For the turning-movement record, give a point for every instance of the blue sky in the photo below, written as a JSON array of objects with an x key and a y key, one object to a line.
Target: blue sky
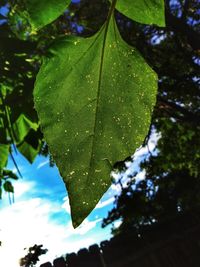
[
  {"x": 41, "y": 215},
  {"x": 41, "y": 212}
]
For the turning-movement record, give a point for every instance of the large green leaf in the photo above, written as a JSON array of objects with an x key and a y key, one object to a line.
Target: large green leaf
[
  {"x": 94, "y": 98},
  {"x": 43, "y": 12},
  {"x": 143, "y": 11}
]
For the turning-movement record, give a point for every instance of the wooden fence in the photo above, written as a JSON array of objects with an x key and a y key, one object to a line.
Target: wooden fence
[{"x": 175, "y": 243}]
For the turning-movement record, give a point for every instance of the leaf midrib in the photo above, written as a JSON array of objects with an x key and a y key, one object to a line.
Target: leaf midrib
[{"x": 111, "y": 10}]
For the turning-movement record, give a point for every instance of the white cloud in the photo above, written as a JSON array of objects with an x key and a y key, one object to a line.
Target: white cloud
[
  {"x": 117, "y": 223},
  {"x": 150, "y": 147},
  {"x": 66, "y": 205},
  {"x": 42, "y": 164},
  {"x": 37, "y": 220},
  {"x": 104, "y": 203},
  {"x": 22, "y": 224},
  {"x": 28, "y": 222},
  {"x": 85, "y": 227},
  {"x": 15, "y": 171},
  {"x": 140, "y": 176},
  {"x": 21, "y": 187},
  {"x": 65, "y": 248},
  {"x": 116, "y": 189}
]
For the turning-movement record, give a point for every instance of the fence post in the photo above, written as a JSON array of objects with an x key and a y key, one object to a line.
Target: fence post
[
  {"x": 60, "y": 262},
  {"x": 47, "y": 264}
]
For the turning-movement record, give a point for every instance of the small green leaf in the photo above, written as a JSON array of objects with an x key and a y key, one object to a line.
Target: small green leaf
[
  {"x": 143, "y": 11},
  {"x": 28, "y": 151},
  {"x": 8, "y": 187},
  {"x": 94, "y": 98},
  {"x": 43, "y": 12},
  {"x": 4, "y": 153},
  {"x": 9, "y": 174},
  {"x": 22, "y": 126}
]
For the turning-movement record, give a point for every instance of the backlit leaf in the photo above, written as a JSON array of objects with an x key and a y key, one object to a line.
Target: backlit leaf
[
  {"x": 143, "y": 11},
  {"x": 43, "y": 12},
  {"x": 94, "y": 97},
  {"x": 27, "y": 151}
]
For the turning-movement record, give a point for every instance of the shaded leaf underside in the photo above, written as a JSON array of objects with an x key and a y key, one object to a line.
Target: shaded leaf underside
[{"x": 94, "y": 98}]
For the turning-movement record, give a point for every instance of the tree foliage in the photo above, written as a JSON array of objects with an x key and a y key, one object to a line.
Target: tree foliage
[{"x": 32, "y": 256}]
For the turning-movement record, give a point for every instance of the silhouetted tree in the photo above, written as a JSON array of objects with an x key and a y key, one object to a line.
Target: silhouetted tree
[{"x": 32, "y": 256}]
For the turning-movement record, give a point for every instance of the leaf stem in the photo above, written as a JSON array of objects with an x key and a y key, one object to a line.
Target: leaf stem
[{"x": 111, "y": 10}]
